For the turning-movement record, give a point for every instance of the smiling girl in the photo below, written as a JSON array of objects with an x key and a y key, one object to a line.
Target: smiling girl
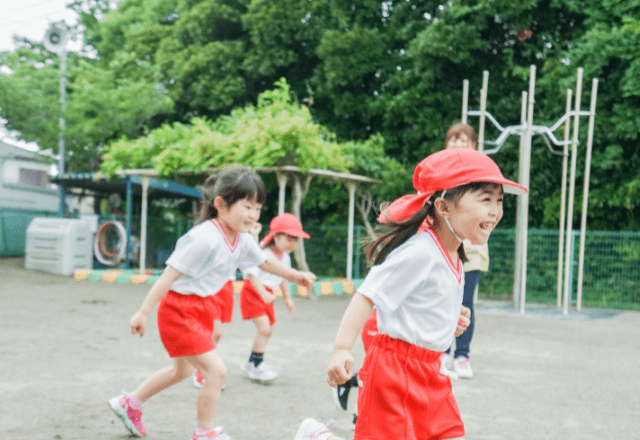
[
  {"x": 416, "y": 284},
  {"x": 196, "y": 272}
]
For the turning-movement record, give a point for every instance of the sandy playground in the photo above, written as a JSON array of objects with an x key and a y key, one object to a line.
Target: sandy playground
[{"x": 66, "y": 348}]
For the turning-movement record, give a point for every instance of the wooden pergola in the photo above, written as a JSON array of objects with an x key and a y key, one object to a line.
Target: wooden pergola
[{"x": 301, "y": 181}]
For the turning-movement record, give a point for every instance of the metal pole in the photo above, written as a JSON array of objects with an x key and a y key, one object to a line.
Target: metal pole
[
  {"x": 572, "y": 185},
  {"x": 483, "y": 108},
  {"x": 282, "y": 182},
  {"x": 525, "y": 180},
  {"x": 585, "y": 194},
  {"x": 465, "y": 100},
  {"x": 143, "y": 225},
  {"x": 563, "y": 197},
  {"x": 352, "y": 195},
  {"x": 518, "y": 248},
  {"x": 61, "y": 122}
]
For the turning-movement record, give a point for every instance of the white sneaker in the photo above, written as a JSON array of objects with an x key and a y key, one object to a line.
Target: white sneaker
[
  {"x": 462, "y": 367},
  {"x": 262, "y": 373},
  {"x": 247, "y": 366},
  {"x": 311, "y": 429},
  {"x": 445, "y": 360},
  {"x": 217, "y": 434}
]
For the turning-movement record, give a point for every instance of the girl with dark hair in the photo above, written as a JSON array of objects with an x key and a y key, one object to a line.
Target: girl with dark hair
[
  {"x": 197, "y": 270},
  {"x": 416, "y": 284}
]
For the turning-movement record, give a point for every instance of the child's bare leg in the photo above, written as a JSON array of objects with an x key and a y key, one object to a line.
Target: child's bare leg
[
  {"x": 264, "y": 332},
  {"x": 164, "y": 378},
  {"x": 214, "y": 372}
]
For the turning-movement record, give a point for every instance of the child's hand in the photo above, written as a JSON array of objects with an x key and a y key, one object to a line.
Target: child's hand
[
  {"x": 255, "y": 230},
  {"x": 466, "y": 311},
  {"x": 463, "y": 322},
  {"x": 268, "y": 298},
  {"x": 138, "y": 323},
  {"x": 305, "y": 279},
  {"x": 339, "y": 370},
  {"x": 217, "y": 331},
  {"x": 290, "y": 305}
]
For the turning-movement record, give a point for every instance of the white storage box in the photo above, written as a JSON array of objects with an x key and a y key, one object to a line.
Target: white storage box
[{"x": 58, "y": 245}]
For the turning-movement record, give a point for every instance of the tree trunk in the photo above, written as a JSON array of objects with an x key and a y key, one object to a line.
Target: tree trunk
[
  {"x": 365, "y": 205},
  {"x": 299, "y": 192}
]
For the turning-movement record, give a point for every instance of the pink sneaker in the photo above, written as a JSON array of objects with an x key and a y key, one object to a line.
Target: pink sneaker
[
  {"x": 130, "y": 416},
  {"x": 216, "y": 433}
]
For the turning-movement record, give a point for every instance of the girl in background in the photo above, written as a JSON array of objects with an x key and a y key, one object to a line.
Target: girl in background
[
  {"x": 196, "y": 271},
  {"x": 257, "y": 297}
]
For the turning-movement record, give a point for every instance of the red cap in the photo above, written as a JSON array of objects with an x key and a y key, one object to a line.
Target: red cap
[
  {"x": 444, "y": 170},
  {"x": 287, "y": 224}
]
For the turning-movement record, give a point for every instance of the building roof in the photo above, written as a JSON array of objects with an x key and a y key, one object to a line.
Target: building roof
[
  {"x": 11, "y": 151},
  {"x": 99, "y": 184}
]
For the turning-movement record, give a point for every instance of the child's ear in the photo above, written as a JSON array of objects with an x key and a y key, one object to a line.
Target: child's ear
[
  {"x": 442, "y": 207},
  {"x": 219, "y": 203}
]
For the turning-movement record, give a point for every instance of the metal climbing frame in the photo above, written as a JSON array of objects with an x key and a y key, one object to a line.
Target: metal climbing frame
[{"x": 526, "y": 129}]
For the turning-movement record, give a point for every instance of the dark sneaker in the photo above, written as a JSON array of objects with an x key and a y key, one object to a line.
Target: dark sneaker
[{"x": 341, "y": 395}]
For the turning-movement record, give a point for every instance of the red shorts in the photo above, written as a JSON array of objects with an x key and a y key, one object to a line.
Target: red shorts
[
  {"x": 369, "y": 330},
  {"x": 252, "y": 305},
  {"x": 403, "y": 395},
  {"x": 224, "y": 303},
  {"x": 185, "y": 323}
]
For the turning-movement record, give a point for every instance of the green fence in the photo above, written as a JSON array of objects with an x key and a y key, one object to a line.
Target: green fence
[
  {"x": 611, "y": 264},
  {"x": 611, "y": 267}
]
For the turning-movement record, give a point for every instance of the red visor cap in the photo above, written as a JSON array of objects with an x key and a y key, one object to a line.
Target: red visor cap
[
  {"x": 444, "y": 170},
  {"x": 286, "y": 224}
]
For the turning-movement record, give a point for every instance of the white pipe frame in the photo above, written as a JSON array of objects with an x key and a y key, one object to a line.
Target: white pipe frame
[{"x": 526, "y": 130}]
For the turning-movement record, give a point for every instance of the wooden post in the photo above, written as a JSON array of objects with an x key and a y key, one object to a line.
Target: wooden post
[
  {"x": 519, "y": 219},
  {"x": 352, "y": 195},
  {"x": 465, "y": 100},
  {"x": 572, "y": 186},
  {"x": 563, "y": 198},
  {"x": 282, "y": 183},
  {"x": 585, "y": 194},
  {"x": 143, "y": 224},
  {"x": 525, "y": 180},
  {"x": 483, "y": 108}
]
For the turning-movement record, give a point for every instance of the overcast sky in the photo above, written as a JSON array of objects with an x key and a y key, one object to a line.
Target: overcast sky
[{"x": 31, "y": 19}]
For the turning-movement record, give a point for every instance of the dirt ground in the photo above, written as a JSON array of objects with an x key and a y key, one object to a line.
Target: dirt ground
[{"x": 66, "y": 348}]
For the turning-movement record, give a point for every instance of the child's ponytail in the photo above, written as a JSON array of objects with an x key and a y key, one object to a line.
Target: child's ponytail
[{"x": 392, "y": 234}]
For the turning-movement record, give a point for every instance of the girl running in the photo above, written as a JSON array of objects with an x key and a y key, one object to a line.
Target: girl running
[
  {"x": 196, "y": 271},
  {"x": 257, "y": 297},
  {"x": 416, "y": 284}
]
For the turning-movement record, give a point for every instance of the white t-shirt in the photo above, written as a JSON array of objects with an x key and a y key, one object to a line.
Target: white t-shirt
[
  {"x": 418, "y": 292},
  {"x": 208, "y": 260},
  {"x": 268, "y": 279}
]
